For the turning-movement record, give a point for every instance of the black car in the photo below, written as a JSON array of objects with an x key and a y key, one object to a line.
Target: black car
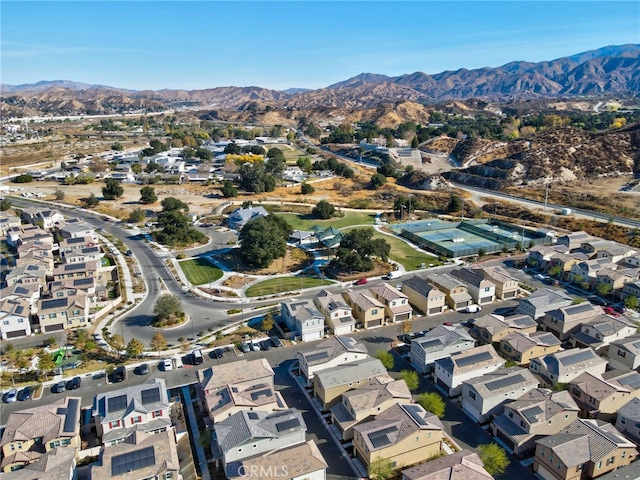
[
  {"x": 143, "y": 369},
  {"x": 620, "y": 308},
  {"x": 217, "y": 353},
  {"x": 74, "y": 383},
  {"x": 58, "y": 387},
  {"x": 597, "y": 300},
  {"x": 25, "y": 394},
  {"x": 266, "y": 345},
  {"x": 119, "y": 374}
]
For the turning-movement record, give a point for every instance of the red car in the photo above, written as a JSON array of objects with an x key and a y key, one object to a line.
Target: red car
[
  {"x": 610, "y": 311},
  {"x": 362, "y": 281}
]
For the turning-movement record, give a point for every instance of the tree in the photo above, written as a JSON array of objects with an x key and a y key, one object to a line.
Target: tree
[
  {"x": 494, "y": 458},
  {"x": 456, "y": 204},
  {"x": 24, "y": 178},
  {"x": 228, "y": 189},
  {"x": 411, "y": 378},
  {"x": 167, "y": 306},
  {"x": 603, "y": 289},
  {"x": 92, "y": 201},
  {"x": 59, "y": 195},
  {"x": 323, "y": 210},
  {"x": 158, "y": 342},
  {"x": 46, "y": 363},
  {"x": 380, "y": 469},
  {"x": 264, "y": 239},
  {"x": 137, "y": 215},
  {"x": 117, "y": 342},
  {"x": 171, "y": 203},
  {"x": 378, "y": 180},
  {"x": 357, "y": 248},
  {"x": 135, "y": 348},
  {"x": 117, "y": 147},
  {"x": 406, "y": 326},
  {"x": 267, "y": 323},
  {"x": 112, "y": 189},
  {"x": 415, "y": 143},
  {"x": 5, "y": 205},
  {"x": 432, "y": 402},
  {"x": 306, "y": 189},
  {"x": 386, "y": 358},
  {"x": 148, "y": 195},
  {"x": 136, "y": 168}
]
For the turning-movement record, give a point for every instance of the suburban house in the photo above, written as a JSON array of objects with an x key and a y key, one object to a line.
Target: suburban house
[
  {"x": 587, "y": 271},
  {"x": 251, "y": 433},
  {"x": 614, "y": 279},
  {"x": 396, "y": 304},
  {"x": 534, "y": 415},
  {"x": 44, "y": 218},
  {"x": 77, "y": 286},
  {"x": 7, "y": 222},
  {"x": 542, "y": 301},
  {"x": 403, "y": 435},
  {"x": 300, "y": 462},
  {"x": 329, "y": 384},
  {"x": 564, "y": 262},
  {"x": 15, "y": 318},
  {"x": 631, "y": 289},
  {"x": 242, "y": 216},
  {"x": 138, "y": 408},
  {"x": 450, "y": 372},
  {"x": 33, "y": 432},
  {"x": 87, "y": 254},
  {"x": 564, "y": 366},
  {"x": 27, "y": 233},
  {"x": 460, "y": 465},
  {"x": 30, "y": 291},
  {"x": 601, "y": 331},
  {"x": 304, "y": 319},
  {"x": 456, "y": 292},
  {"x": 424, "y": 296},
  {"x": 584, "y": 449},
  {"x": 75, "y": 270},
  {"x": 233, "y": 398},
  {"x": 74, "y": 228},
  {"x": 440, "y": 342},
  {"x": 482, "y": 290},
  {"x": 539, "y": 256},
  {"x": 35, "y": 256},
  {"x": 628, "y": 420},
  {"x": 75, "y": 244},
  {"x": 62, "y": 313},
  {"x": 506, "y": 286},
  {"x": 242, "y": 373},
  {"x": 332, "y": 352},
  {"x": 142, "y": 456},
  {"x": 492, "y": 328},
  {"x": 337, "y": 314},
  {"x": 27, "y": 274},
  {"x": 54, "y": 464},
  {"x": 600, "y": 396},
  {"x": 574, "y": 240},
  {"x": 368, "y": 399},
  {"x": 521, "y": 347},
  {"x": 564, "y": 321},
  {"x": 367, "y": 310},
  {"x": 625, "y": 353},
  {"x": 484, "y": 396}
]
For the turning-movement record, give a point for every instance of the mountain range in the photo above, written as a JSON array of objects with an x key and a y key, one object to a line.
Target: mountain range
[{"x": 611, "y": 70}]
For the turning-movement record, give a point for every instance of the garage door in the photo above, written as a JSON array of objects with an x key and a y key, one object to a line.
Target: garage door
[
  {"x": 460, "y": 305},
  {"x": 17, "y": 333},
  {"x": 402, "y": 318},
  {"x": 546, "y": 474},
  {"x": 509, "y": 294},
  {"x": 54, "y": 328},
  {"x": 508, "y": 442},
  {"x": 435, "y": 310},
  {"x": 311, "y": 337},
  {"x": 374, "y": 323}
]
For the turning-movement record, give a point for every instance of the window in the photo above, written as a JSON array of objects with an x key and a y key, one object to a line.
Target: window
[
  {"x": 579, "y": 467},
  {"x": 157, "y": 413},
  {"x": 5, "y": 322},
  {"x": 542, "y": 452},
  {"x": 52, "y": 315},
  {"x": 611, "y": 460},
  {"x": 510, "y": 414},
  {"x": 623, "y": 420},
  {"x": 623, "y": 454},
  {"x": 137, "y": 419},
  {"x": 76, "y": 312},
  {"x": 374, "y": 311},
  {"x": 559, "y": 465},
  {"x": 622, "y": 353},
  {"x": 551, "y": 458},
  {"x": 599, "y": 466},
  {"x": 60, "y": 294},
  {"x": 487, "y": 289},
  {"x": 472, "y": 395},
  {"x": 21, "y": 320},
  {"x": 522, "y": 423}
]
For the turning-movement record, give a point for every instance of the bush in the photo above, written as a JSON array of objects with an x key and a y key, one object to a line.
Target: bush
[{"x": 24, "y": 178}]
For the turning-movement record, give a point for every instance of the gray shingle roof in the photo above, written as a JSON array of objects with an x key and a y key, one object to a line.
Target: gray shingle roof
[{"x": 351, "y": 372}]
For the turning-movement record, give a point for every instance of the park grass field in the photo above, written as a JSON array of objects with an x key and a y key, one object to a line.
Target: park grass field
[
  {"x": 199, "y": 271},
  {"x": 284, "y": 284},
  {"x": 302, "y": 222}
]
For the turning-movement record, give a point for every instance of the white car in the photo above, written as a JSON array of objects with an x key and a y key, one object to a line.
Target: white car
[
  {"x": 167, "y": 364},
  {"x": 473, "y": 308}
]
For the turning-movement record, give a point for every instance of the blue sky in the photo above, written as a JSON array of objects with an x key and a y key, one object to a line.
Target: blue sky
[{"x": 312, "y": 44}]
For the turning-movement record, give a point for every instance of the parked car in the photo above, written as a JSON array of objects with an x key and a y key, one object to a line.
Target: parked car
[
  {"x": 11, "y": 396},
  {"x": 596, "y": 300},
  {"x": 245, "y": 348},
  {"x": 539, "y": 276},
  {"x": 265, "y": 345},
  {"x": 25, "y": 394},
  {"x": 58, "y": 387},
  {"x": 611, "y": 311},
  {"x": 166, "y": 364},
  {"x": 620, "y": 308},
  {"x": 74, "y": 383},
  {"x": 143, "y": 369},
  {"x": 362, "y": 281},
  {"x": 217, "y": 353},
  {"x": 473, "y": 308},
  {"x": 448, "y": 324},
  {"x": 276, "y": 341},
  {"x": 119, "y": 374},
  {"x": 255, "y": 347},
  {"x": 197, "y": 357}
]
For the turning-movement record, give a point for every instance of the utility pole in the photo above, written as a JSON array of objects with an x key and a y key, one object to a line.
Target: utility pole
[{"x": 546, "y": 195}]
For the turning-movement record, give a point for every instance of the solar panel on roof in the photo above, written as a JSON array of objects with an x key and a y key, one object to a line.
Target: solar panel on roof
[
  {"x": 287, "y": 424},
  {"x": 504, "y": 382},
  {"x": 612, "y": 436},
  {"x": 317, "y": 356},
  {"x": 261, "y": 393},
  {"x": 632, "y": 381},
  {"x": 471, "y": 359},
  {"x": 56, "y": 303},
  {"x": 75, "y": 266},
  {"x": 381, "y": 437},
  {"x": 131, "y": 461},
  {"x": 116, "y": 404},
  {"x": 531, "y": 413},
  {"x": 83, "y": 281},
  {"x": 252, "y": 415},
  {"x": 416, "y": 413},
  {"x": 71, "y": 420},
  {"x": 151, "y": 395},
  {"x": 576, "y": 357},
  {"x": 580, "y": 308},
  {"x": 19, "y": 309},
  {"x": 21, "y": 290}
]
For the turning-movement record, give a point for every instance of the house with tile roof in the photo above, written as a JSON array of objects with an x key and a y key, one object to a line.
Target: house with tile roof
[
  {"x": 625, "y": 353},
  {"x": 396, "y": 304},
  {"x": 564, "y": 321},
  {"x": 601, "y": 396},
  {"x": 242, "y": 373},
  {"x": 440, "y": 342},
  {"x": 532, "y": 416},
  {"x": 334, "y": 351},
  {"x": 587, "y": 271},
  {"x": 27, "y": 274},
  {"x": 574, "y": 240},
  {"x": 30, "y": 291},
  {"x": 69, "y": 245},
  {"x": 506, "y": 285},
  {"x": 424, "y": 296},
  {"x": 76, "y": 286},
  {"x": 304, "y": 319},
  {"x": 27, "y": 233},
  {"x": 539, "y": 256},
  {"x": 366, "y": 309},
  {"x": 600, "y": 331},
  {"x": 42, "y": 258},
  {"x": 450, "y": 372},
  {"x": 542, "y": 301},
  {"x": 481, "y": 289},
  {"x": 404, "y": 434},
  {"x": 75, "y": 228},
  {"x": 44, "y": 217},
  {"x": 565, "y": 365},
  {"x": 565, "y": 262},
  {"x": 584, "y": 449},
  {"x": 54, "y": 464},
  {"x": 32, "y": 432},
  {"x": 456, "y": 291},
  {"x": 370, "y": 398},
  {"x": 55, "y": 314},
  {"x": 8, "y": 222},
  {"x": 522, "y": 347},
  {"x": 630, "y": 289},
  {"x": 141, "y": 455},
  {"x": 15, "y": 318},
  {"x": 331, "y": 383},
  {"x": 234, "y": 398},
  {"x": 337, "y": 314},
  {"x": 461, "y": 465},
  {"x": 247, "y": 434},
  {"x": 240, "y": 217},
  {"x": 303, "y": 461},
  {"x": 486, "y": 395},
  {"x": 492, "y": 328},
  {"x": 87, "y": 254},
  {"x": 628, "y": 420},
  {"x": 138, "y": 408},
  {"x": 75, "y": 270}
]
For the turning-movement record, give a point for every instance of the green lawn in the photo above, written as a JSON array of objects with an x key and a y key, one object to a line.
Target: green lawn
[
  {"x": 200, "y": 271},
  {"x": 300, "y": 222},
  {"x": 284, "y": 284}
]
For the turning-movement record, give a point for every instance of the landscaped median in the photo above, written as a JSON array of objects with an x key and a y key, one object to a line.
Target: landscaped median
[
  {"x": 200, "y": 271},
  {"x": 284, "y": 284}
]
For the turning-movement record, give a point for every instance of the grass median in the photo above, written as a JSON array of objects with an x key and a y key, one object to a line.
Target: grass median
[
  {"x": 200, "y": 271},
  {"x": 284, "y": 284}
]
